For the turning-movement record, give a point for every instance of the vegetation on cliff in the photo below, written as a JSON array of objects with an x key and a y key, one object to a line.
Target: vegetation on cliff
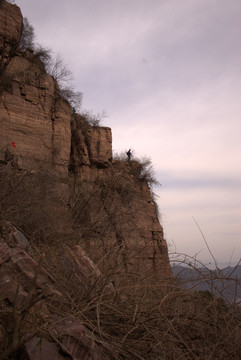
[
  {"x": 126, "y": 313},
  {"x": 54, "y": 65},
  {"x": 84, "y": 265}
]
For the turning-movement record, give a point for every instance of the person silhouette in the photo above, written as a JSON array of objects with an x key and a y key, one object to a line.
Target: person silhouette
[{"x": 129, "y": 154}]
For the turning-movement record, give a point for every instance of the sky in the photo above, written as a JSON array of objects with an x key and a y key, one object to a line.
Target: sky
[{"x": 168, "y": 75}]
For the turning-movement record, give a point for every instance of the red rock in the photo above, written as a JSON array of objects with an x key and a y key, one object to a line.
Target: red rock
[
  {"x": 40, "y": 349},
  {"x": 86, "y": 271},
  {"x": 19, "y": 266},
  {"x": 77, "y": 341}
]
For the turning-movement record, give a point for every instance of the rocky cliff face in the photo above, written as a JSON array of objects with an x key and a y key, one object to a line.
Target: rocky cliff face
[
  {"x": 10, "y": 31},
  {"x": 33, "y": 115},
  {"x": 93, "y": 217},
  {"x": 40, "y": 133},
  {"x": 84, "y": 268}
]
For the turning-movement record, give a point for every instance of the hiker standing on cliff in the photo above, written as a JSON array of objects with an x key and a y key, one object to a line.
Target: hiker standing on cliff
[{"x": 129, "y": 154}]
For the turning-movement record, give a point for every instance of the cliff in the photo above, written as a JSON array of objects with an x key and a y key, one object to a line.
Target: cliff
[
  {"x": 33, "y": 115},
  {"x": 10, "y": 31},
  {"x": 94, "y": 218},
  {"x": 57, "y": 144},
  {"x": 84, "y": 268}
]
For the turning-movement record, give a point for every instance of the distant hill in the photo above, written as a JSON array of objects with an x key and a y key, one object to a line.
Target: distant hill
[{"x": 224, "y": 283}]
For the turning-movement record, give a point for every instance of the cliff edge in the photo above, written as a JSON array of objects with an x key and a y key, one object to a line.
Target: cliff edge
[
  {"x": 84, "y": 267},
  {"x": 40, "y": 134},
  {"x": 76, "y": 226}
]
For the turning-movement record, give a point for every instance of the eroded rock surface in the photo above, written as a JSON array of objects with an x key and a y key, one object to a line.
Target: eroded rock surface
[
  {"x": 105, "y": 200},
  {"x": 61, "y": 187},
  {"x": 10, "y": 31},
  {"x": 90, "y": 146},
  {"x": 27, "y": 287},
  {"x": 34, "y": 117}
]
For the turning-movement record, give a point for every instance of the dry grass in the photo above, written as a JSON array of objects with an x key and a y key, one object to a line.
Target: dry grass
[
  {"x": 127, "y": 315},
  {"x": 156, "y": 321}
]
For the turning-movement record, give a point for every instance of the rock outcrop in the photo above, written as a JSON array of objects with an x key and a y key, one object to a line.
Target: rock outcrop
[
  {"x": 63, "y": 195},
  {"x": 31, "y": 290},
  {"x": 34, "y": 116},
  {"x": 91, "y": 146},
  {"x": 39, "y": 132},
  {"x": 84, "y": 268},
  {"x": 10, "y": 31}
]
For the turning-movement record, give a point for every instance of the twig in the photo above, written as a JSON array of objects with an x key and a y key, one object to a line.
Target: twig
[{"x": 210, "y": 252}]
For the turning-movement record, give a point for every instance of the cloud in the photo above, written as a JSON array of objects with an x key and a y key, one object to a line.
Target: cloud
[
  {"x": 122, "y": 55},
  {"x": 199, "y": 182}
]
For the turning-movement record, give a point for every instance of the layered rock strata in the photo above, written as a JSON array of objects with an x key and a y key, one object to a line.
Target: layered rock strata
[
  {"x": 30, "y": 289},
  {"x": 92, "y": 216},
  {"x": 73, "y": 177},
  {"x": 10, "y": 31},
  {"x": 34, "y": 116}
]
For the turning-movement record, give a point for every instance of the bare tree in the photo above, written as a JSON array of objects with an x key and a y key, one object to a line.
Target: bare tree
[
  {"x": 60, "y": 71},
  {"x": 73, "y": 97},
  {"x": 28, "y": 35},
  {"x": 54, "y": 66},
  {"x": 44, "y": 54},
  {"x": 94, "y": 119},
  {"x": 64, "y": 77}
]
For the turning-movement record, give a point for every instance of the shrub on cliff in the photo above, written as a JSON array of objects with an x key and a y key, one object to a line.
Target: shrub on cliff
[
  {"x": 60, "y": 72},
  {"x": 52, "y": 65},
  {"x": 147, "y": 172},
  {"x": 93, "y": 119},
  {"x": 134, "y": 318},
  {"x": 28, "y": 35},
  {"x": 141, "y": 168},
  {"x": 43, "y": 54}
]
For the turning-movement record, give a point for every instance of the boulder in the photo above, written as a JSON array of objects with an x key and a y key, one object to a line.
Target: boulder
[{"x": 28, "y": 287}]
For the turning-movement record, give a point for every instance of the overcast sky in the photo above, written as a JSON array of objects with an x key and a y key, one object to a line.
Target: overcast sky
[{"x": 168, "y": 74}]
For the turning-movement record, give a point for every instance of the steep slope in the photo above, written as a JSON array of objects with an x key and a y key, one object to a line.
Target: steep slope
[
  {"x": 73, "y": 161},
  {"x": 10, "y": 31},
  {"x": 84, "y": 268},
  {"x": 33, "y": 115}
]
